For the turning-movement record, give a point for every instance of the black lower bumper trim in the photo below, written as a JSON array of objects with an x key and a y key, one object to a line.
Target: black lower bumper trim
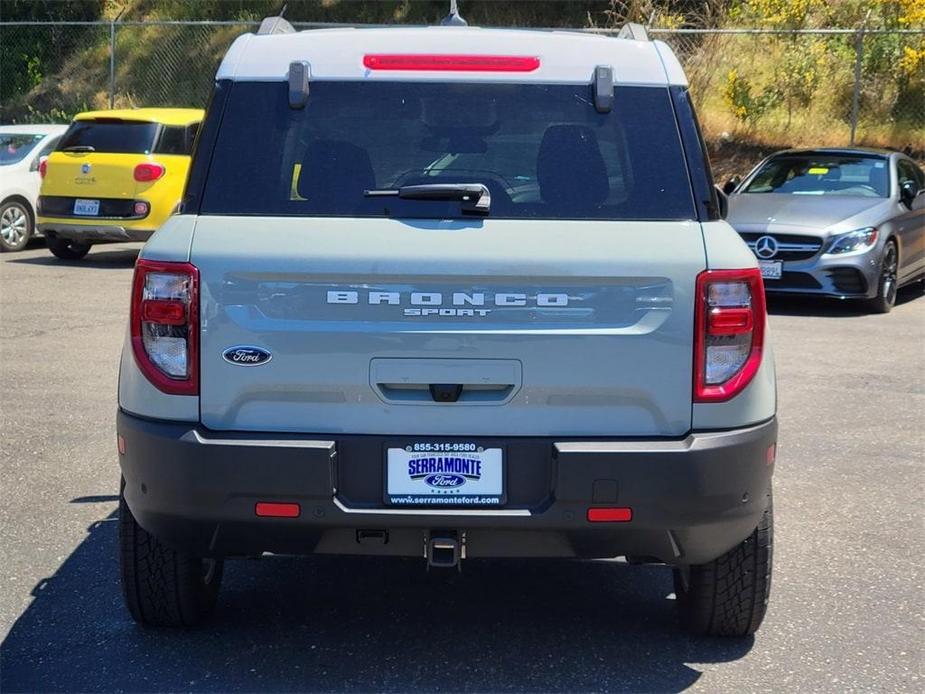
[
  {"x": 99, "y": 232},
  {"x": 692, "y": 498}
]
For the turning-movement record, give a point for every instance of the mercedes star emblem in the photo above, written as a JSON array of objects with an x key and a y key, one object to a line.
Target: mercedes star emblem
[{"x": 766, "y": 247}]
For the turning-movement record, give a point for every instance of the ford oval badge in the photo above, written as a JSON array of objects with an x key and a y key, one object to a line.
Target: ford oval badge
[
  {"x": 444, "y": 480},
  {"x": 246, "y": 355}
]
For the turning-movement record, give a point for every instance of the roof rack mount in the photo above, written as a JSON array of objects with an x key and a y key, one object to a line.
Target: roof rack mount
[
  {"x": 634, "y": 32},
  {"x": 275, "y": 25}
]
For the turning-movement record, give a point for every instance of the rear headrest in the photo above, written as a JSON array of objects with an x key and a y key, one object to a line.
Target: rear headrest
[
  {"x": 335, "y": 169},
  {"x": 570, "y": 168}
]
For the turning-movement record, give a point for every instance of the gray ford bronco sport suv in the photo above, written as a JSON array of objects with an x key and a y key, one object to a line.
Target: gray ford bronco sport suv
[{"x": 448, "y": 292}]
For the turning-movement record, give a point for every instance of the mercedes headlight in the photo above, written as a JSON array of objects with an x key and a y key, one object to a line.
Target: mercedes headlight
[{"x": 857, "y": 240}]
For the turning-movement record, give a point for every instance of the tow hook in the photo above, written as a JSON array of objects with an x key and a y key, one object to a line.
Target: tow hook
[{"x": 445, "y": 550}]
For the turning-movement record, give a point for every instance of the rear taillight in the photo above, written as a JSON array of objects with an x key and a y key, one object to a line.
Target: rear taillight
[
  {"x": 43, "y": 167},
  {"x": 729, "y": 320},
  {"x": 165, "y": 325},
  {"x": 149, "y": 171}
]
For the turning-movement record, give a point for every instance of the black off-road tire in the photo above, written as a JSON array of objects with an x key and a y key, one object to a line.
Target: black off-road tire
[
  {"x": 65, "y": 248},
  {"x": 729, "y": 595},
  {"x": 161, "y": 586}
]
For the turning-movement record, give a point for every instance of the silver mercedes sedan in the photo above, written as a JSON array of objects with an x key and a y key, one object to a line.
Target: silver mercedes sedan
[{"x": 848, "y": 223}]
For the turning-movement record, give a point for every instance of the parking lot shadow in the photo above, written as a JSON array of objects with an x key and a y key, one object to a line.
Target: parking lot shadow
[
  {"x": 359, "y": 624},
  {"x": 115, "y": 259},
  {"x": 780, "y": 305}
]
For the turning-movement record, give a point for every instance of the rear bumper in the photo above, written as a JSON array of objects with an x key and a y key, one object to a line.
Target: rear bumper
[
  {"x": 94, "y": 232},
  {"x": 692, "y": 498}
]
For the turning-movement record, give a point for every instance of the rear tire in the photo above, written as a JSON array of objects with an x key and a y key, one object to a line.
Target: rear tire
[
  {"x": 66, "y": 249},
  {"x": 887, "y": 284},
  {"x": 729, "y": 595},
  {"x": 163, "y": 587},
  {"x": 16, "y": 225}
]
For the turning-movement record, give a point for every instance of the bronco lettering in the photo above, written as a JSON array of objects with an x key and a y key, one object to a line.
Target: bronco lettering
[{"x": 435, "y": 301}]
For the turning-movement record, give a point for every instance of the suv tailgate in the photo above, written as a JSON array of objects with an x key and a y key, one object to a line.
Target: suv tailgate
[{"x": 576, "y": 328}]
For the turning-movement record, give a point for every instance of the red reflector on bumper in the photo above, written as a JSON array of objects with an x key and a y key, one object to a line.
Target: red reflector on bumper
[
  {"x": 269, "y": 509},
  {"x": 610, "y": 515}
]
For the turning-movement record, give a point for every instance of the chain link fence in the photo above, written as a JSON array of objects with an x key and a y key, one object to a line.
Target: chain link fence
[{"x": 810, "y": 87}]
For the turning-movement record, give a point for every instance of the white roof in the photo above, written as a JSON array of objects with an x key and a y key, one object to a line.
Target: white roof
[
  {"x": 36, "y": 129},
  {"x": 337, "y": 54}
]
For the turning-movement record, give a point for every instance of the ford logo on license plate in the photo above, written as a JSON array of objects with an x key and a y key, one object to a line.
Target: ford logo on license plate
[
  {"x": 443, "y": 480},
  {"x": 246, "y": 355}
]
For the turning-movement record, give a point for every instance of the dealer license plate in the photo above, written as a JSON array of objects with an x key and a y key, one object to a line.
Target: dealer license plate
[
  {"x": 771, "y": 269},
  {"x": 444, "y": 474},
  {"x": 87, "y": 208}
]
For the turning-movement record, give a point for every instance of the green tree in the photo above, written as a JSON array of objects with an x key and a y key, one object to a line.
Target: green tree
[{"x": 28, "y": 53}]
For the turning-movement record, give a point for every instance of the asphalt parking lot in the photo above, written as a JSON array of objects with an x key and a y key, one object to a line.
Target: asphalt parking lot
[{"x": 846, "y": 607}]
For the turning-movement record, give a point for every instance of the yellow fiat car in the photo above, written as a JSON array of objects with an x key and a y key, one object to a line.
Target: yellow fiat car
[{"x": 115, "y": 176}]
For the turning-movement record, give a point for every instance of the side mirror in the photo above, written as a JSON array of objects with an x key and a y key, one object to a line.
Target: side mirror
[
  {"x": 731, "y": 185},
  {"x": 907, "y": 192},
  {"x": 722, "y": 201}
]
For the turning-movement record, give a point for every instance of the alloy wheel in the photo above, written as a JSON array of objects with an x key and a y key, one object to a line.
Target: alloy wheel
[
  {"x": 14, "y": 226},
  {"x": 888, "y": 274}
]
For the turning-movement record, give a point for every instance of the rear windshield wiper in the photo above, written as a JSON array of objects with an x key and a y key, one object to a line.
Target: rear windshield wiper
[
  {"x": 79, "y": 148},
  {"x": 474, "y": 197}
]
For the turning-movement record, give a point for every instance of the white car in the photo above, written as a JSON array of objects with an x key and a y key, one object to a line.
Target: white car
[{"x": 21, "y": 150}]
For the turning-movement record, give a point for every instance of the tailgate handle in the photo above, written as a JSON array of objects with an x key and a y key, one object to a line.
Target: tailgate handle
[{"x": 453, "y": 381}]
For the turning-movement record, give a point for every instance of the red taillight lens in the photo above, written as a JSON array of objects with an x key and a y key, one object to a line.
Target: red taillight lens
[
  {"x": 165, "y": 312},
  {"x": 729, "y": 320},
  {"x": 43, "y": 167},
  {"x": 452, "y": 63},
  {"x": 165, "y": 325},
  {"x": 149, "y": 171}
]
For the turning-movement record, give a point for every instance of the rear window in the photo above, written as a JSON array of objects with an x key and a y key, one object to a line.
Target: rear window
[
  {"x": 14, "y": 147},
  {"x": 846, "y": 175},
  {"x": 543, "y": 151},
  {"x": 113, "y": 136}
]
